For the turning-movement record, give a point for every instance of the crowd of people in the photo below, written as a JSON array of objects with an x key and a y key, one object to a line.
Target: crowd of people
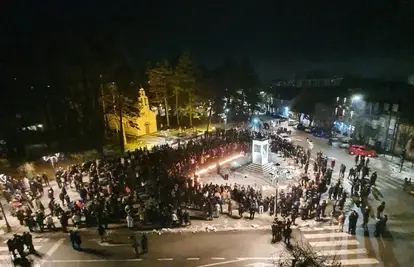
[
  {"x": 304, "y": 199},
  {"x": 149, "y": 185},
  {"x": 159, "y": 187}
]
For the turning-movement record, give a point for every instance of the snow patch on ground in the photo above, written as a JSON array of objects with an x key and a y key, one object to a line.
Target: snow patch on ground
[{"x": 208, "y": 229}]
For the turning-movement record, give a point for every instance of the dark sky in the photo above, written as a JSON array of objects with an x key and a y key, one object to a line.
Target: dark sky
[{"x": 371, "y": 38}]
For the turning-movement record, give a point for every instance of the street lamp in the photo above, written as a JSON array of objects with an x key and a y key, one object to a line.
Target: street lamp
[
  {"x": 277, "y": 192},
  {"x": 356, "y": 98},
  {"x": 287, "y": 110},
  {"x": 273, "y": 174}
]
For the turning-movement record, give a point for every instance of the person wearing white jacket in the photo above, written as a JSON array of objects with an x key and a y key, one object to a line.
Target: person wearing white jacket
[{"x": 130, "y": 221}]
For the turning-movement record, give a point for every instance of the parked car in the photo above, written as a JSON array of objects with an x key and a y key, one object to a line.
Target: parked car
[
  {"x": 345, "y": 143},
  {"x": 285, "y": 137},
  {"x": 292, "y": 123},
  {"x": 362, "y": 150},
  {"x": 300, "y": 127},
  {"x": 334, "y": 141},
  {"x": 321, "y": 134}
]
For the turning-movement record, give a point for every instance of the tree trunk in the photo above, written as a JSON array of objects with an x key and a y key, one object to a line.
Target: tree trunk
[
  {"x": 176, "y": 106},
  {"x": 190, "y": 113},
  {"x": 166, "y": 112},
  {"x": 209, "y": 118},
  {"x": 121, "y": 133},
  {"x": 106, "y": 123}
]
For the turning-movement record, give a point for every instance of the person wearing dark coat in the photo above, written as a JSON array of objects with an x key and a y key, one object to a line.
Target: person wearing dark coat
[{"x": 144, "y": 243}]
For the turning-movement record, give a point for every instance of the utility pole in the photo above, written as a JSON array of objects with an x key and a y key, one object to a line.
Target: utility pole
[{"x": 277, "y": 192}]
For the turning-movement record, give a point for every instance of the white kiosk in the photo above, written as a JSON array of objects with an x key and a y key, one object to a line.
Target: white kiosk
[{"x": 260, "y": 151}]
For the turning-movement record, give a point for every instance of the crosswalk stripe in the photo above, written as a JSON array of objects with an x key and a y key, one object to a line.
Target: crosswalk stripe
[
  {"x": 389, "y": 182},
  {"x": 3, "y": 249},
  {"x": 342, "y": 252},
  {"x": 40, "y": 240},
  {"x": 314, "y": 229},
  {"x": 359, "y": 262},
  {"x": 326, "y": 235},
  {"x": 334, "y": 243}
]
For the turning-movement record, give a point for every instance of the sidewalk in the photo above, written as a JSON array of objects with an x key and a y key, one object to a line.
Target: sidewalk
[{"x": 393, "y": 163}]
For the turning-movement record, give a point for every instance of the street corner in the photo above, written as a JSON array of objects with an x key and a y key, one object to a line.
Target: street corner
[{"x": 44, "y": 248}]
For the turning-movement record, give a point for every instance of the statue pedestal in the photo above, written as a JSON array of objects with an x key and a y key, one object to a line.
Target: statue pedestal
[
  {"x": 260, "y": 164},
  {"x": 260, "y": 151}
]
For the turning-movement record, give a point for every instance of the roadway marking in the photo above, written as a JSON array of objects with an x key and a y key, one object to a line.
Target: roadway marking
[
  {"x": 104, "y": 244},
  {"x": 217, "y": 259},
  {"x": 334, "y": 243},
  {"x": 259, "y": 258},
  {"x": 193, "y": 259},
  {"x": 326, "y": 235},
  {"x": 40, "y": 240},
  {"x": 54, "y": 247},
  {"x": 388, "y": 183},
  {"x": 342, "y": 252},
  {"x": 220, "y": 263},
  {"x": 165, "y": 259},
  {"x": 312, "y": 229},
  {"x": 50, "y": 252},
  {"x": 259, "y": 264},
  {"x": 94, "y": 260},
  {"x": 358, "y": 262}
]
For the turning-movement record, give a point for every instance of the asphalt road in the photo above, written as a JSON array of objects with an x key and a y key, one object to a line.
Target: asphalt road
[
  {"x": 186, "y": 249},
  {"x": 397, "y": 248}
]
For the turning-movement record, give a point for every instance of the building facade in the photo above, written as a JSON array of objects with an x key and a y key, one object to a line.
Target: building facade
[
  {"x": 322, "y": 82},
  {"x": 145, "y": 123}
]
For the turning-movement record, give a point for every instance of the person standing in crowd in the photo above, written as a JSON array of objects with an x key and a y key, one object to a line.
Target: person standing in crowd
[
  {"x": 341, "y": 221},
  {"x": 144, "y": 243},
  {"x": 135, "y": 245}
]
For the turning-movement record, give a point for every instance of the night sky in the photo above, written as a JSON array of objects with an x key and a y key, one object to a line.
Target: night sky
[{"x": 282, "y": 38}]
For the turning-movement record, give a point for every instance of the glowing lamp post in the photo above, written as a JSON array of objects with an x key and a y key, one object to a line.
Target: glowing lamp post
[
  {"x": 226, "y": 118},
  {"x": 52, "y": 159},
  {"x": 354, "y": 99},
  {"x": 287, "y": 111},
  {"x": 3, "y": 179}
]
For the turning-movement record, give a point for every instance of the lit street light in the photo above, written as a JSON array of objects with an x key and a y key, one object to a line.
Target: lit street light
[
  {"x": 276, "y": 180},
  {"x": 356, "y": 98}
]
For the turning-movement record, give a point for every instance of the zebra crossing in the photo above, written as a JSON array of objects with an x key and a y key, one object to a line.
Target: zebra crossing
[
  {"x": 389, "y": 181},
  {"x": 4, "y": 250},
  {"x": 342, "y": 247},
  {"x": 384, "y": 181}
]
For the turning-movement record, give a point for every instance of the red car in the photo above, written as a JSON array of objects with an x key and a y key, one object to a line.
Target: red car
[{"x": 362, "y": 150}]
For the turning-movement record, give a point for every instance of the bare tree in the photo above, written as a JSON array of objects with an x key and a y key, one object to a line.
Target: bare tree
[{"x": 301, "y": 254}]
